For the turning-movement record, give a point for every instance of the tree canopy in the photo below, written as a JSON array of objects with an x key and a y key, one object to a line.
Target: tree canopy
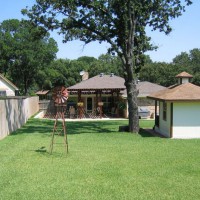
[
  {"x": 121, "y": 23},
  {"x": 25, "y": 48}
]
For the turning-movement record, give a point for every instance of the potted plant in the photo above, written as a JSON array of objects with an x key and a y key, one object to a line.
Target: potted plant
[
  {"x": 122, "y": 105},
  {"x": 80, "y": 104},
  {"x": 122, "y": 108},
  {"x": 100, "y": 103}
]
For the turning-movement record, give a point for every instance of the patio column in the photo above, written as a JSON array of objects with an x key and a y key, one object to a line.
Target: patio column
[
  {"x": 112, "y": 99},
  {"x": 117, "y": 101},
  {"x": 100, "y": 105},
  {"x": 96, "y": 99},
  {"x": 79, "y": 107},
  {"x": 100, "y": 95},
  {"x": 156, "y": 116},
  {"x": 156, "y": 108}
]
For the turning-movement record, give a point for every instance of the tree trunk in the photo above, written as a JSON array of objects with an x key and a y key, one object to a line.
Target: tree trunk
[
  {"x": 130, "y": 76},
  {"x": 132, "y": 93}
]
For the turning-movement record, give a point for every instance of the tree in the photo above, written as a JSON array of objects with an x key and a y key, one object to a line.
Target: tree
[
  {"x": 195, "y": 60},
  {"x": 160, "y": 72},
  {"x": 190, "y": 62},
  {"x": 121, "y": 23},
  {"x": 26, "y": 49},
  {"x": 105, "y": 63},
  {"x": 8, "y": 29}
]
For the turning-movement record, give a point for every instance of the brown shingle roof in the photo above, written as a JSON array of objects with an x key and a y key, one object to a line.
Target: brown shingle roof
[
  {"x": 184, "y": 75},
  {"x": 183, "y": 92},
  {"x": 98, "y": 82},
  {"x": 146, "y": 88}
]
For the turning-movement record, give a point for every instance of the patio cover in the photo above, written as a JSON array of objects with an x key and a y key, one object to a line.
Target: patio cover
[{"x": 99, "y": 83}]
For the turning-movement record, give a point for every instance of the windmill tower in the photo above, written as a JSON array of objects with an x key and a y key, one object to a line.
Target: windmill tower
[{"x": 60, "y": 96}]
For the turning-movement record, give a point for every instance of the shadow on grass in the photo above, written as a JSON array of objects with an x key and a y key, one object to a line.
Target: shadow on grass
[
  {"x": 45, "y": 127},
  {"x": 149, "y": 133},
  {"x": 92, "y": 127},
  {"x": 41, "y": 150},
  {"x": 145, "y": 133}
]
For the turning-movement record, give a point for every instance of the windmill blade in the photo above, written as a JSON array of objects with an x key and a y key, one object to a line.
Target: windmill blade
[{"x": 60, "y": 95}]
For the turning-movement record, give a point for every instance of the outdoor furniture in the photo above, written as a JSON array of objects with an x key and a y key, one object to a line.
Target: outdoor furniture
[
  {"x": 72, "y": 112},
  {"x": 114, "y": 112}
]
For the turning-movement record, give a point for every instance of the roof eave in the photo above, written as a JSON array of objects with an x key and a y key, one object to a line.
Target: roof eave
[
  {"x": 14, "y": 87},
  {"x": 173, "y": 100},
  {"x": 93, "y": 89}
]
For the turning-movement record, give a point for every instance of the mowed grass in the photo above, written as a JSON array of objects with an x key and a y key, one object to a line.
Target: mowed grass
[{"x": 102, "y": 163}]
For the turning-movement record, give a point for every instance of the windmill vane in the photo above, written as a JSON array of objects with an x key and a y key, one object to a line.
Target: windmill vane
[{"x": 60, "y": 95}]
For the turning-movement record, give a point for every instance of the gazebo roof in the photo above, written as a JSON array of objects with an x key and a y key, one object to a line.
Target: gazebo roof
[
  {"x": 100, "y": 82},
  {"x": 184, "y": 75},
  {"x": 183, "y": 92}
]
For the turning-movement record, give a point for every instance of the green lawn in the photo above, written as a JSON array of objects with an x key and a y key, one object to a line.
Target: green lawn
[{"x": 101, "y": 164}]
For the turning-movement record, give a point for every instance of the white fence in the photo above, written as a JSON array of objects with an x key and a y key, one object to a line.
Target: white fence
[{"x": 15, "y": 111}]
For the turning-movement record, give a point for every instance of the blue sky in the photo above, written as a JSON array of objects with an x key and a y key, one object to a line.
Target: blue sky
[{"x": 184, "y": 37}]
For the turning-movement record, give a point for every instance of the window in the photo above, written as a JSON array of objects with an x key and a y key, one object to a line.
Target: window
[
  {"x": 108, "y": 104},
  {"x": 89, "y": 104},
  {"x": 164, "y": 111}
]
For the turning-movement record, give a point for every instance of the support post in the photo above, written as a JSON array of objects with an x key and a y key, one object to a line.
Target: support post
[{"x": 59, "y": 130}]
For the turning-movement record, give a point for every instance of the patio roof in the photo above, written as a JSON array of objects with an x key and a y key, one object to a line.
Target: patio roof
[
  {"x": 99, "y": 82},
  {"x": 183, "y": 92}
]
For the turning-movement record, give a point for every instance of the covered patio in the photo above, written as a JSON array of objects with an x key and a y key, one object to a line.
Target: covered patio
[{"x": 97, "y": 97}]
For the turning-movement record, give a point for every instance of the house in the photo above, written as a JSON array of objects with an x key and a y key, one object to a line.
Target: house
[
  {"x": 146, "y": 107},
  {"x": 179, "y": 112},
  {"x": 97, "y": 96},
  {"x": 7, "y": 88},
  {"x": 108, "y": 92},
  {"x": 44, "y": 94}
]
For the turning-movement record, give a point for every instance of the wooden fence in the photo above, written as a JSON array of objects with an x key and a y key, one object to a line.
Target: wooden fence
[{"x": 15, "y": 111}]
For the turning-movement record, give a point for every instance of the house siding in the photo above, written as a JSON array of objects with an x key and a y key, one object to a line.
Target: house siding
[
  {"x": 164, "y": 125},
  {"x": 186, "y": 122},
  {"x": 6, "y": 87}
]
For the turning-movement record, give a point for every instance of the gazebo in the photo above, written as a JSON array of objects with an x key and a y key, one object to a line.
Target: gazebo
[{"x": 179, "y": 111}]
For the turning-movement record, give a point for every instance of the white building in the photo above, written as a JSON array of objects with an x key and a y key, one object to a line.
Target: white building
[
  {"x": 6, "y": 87},
  {"x": 179, "y": 113}
]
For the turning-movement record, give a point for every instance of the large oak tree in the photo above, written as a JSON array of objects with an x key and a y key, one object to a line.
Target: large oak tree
[{"x": 121, "y": 23}]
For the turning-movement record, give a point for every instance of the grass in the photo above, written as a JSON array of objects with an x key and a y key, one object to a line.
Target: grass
[{"x": 102, "y": 163}]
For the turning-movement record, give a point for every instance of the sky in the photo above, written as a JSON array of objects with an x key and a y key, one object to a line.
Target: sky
[{"x": 184, "y": 37}]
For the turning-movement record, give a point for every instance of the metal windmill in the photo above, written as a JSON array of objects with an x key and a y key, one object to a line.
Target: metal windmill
[{"x": 60, "y": 96}]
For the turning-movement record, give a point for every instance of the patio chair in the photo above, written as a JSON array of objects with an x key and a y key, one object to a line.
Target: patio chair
[
  {"x": 72, "y": 112},
  {"x": 114, "y": 112}
]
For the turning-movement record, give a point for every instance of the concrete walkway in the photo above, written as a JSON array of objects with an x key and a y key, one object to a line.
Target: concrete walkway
[{"x": 40, "y": 115}]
